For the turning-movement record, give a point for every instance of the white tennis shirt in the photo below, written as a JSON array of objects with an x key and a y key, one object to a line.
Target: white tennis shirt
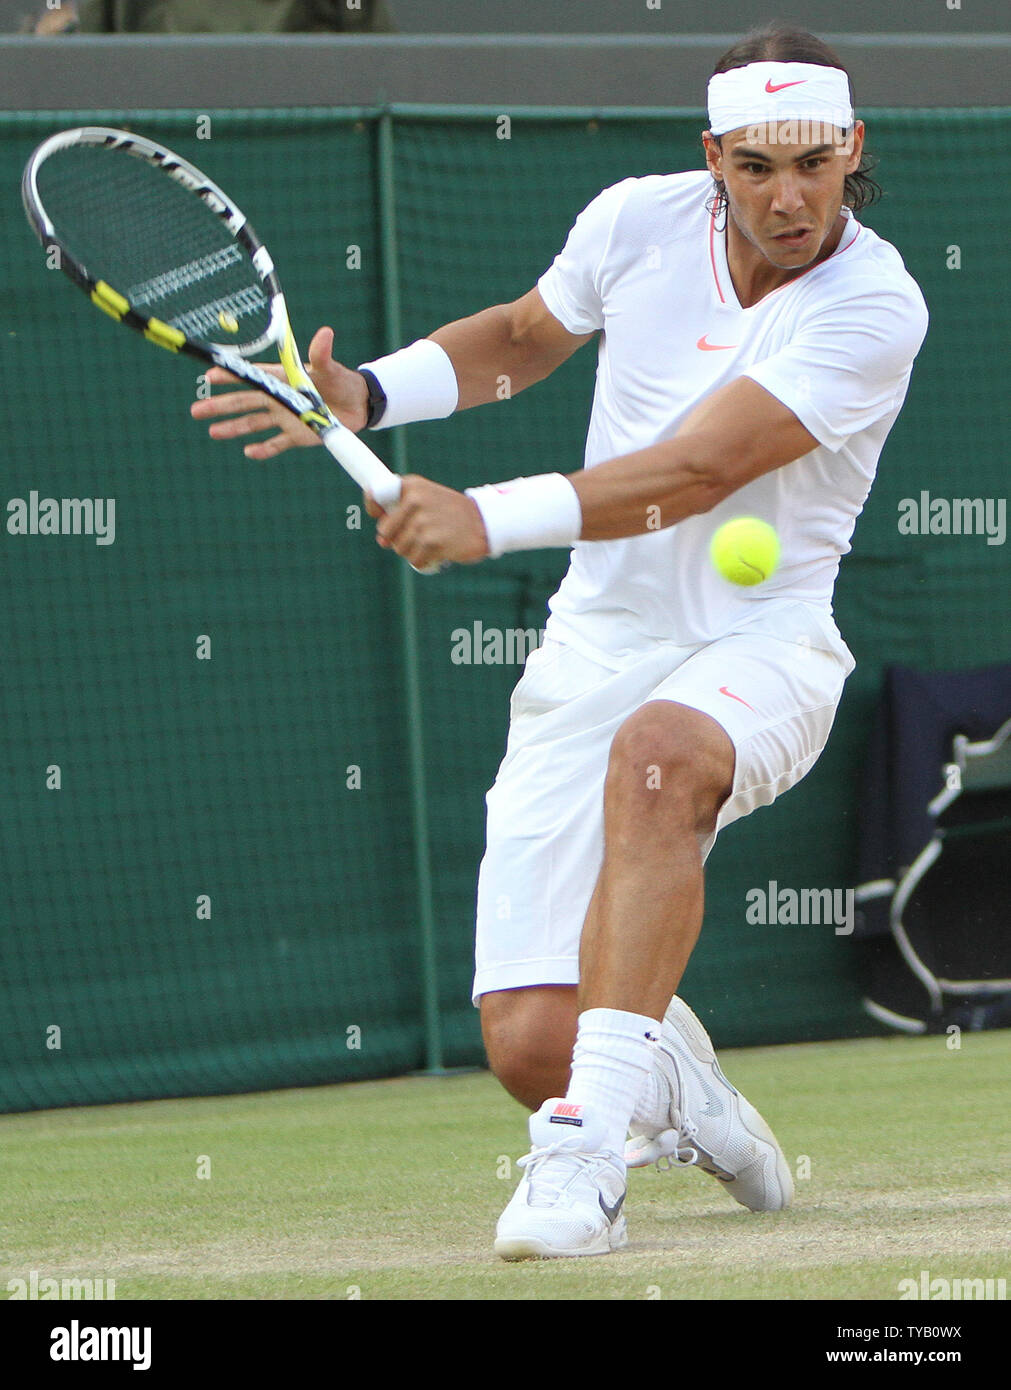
[{"x": 646, "y": 264}]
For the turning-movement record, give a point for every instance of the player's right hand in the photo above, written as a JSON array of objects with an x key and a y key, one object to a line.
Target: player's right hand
[{"x": 237, "y": 413}]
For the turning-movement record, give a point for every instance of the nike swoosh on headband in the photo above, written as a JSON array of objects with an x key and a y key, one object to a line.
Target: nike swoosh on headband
[{"x": 778, "y": 87}]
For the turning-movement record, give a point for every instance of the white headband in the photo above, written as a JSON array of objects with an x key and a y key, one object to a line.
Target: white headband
[{"x": 762, "y": 93}]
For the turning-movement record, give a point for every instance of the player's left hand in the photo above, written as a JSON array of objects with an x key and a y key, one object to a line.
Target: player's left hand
[{"x": 431, "y": 525}]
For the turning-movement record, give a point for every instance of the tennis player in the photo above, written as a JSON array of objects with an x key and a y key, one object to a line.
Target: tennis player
[{"x": 755, "y": 343}]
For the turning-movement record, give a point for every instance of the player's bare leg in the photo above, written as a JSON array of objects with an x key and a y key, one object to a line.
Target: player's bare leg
[
  {"x": 529, "y": 1035},
  {"x": 642, "y": 926},
  {"x": 670, "y": 770}
]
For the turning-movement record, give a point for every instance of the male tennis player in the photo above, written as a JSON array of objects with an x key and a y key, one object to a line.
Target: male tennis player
[{"x": 755, "y": 348}]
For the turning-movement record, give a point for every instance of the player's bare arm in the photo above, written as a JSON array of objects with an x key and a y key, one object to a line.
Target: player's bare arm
[
  {"x": 513, "y": 345},
  {"x": 734, "y": 436},
  {"x": 495, "y": 354}
]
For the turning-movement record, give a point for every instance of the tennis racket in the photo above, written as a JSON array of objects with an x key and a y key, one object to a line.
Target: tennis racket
[{"x": 158, "y": 246}]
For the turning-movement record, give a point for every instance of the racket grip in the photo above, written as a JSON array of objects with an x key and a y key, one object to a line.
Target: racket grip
[
  {"x": 358, "y": 460},
  {"x": 368, "y": 471}
]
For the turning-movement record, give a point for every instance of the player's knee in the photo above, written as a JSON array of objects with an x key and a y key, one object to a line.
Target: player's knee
[
  {"x": 520, "y": 1071},
  {"x": 669, "y": 759},
  {"x": 528, "y": 1038}
]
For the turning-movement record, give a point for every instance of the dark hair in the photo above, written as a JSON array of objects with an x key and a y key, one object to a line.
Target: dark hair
[{"x": 780, "y": 43}]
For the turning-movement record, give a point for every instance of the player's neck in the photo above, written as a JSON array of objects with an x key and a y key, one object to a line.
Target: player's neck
[{"x": 754, "y": 276}]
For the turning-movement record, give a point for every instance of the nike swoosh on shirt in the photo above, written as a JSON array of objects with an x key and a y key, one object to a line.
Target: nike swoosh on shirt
[
  {"x": 730, "y": 693},
  {"x": 704, "y": 345},
  {"x": 778, "y": 86}
]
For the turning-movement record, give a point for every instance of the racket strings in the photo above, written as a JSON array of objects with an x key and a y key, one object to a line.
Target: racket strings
[{"x": 133, "y": 226}]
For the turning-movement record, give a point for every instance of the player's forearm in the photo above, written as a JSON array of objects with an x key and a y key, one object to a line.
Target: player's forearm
[
  {"x": 627, "y": 496},
  {"x": 647, "y": 491},
  {"x": 487, "y": 357},
  {"x": 492, "y": 360},
  {"x": 732, "y": 437}
]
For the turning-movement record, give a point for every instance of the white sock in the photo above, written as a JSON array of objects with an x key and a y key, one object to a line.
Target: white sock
[
  {"x": 612, "y": 1058},
  {"x": 652, "y": 1104}
]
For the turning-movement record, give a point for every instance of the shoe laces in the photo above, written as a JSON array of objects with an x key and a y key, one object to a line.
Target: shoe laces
[
  {"x": 684, "y": 1154},
  {"x": 551, "y": 1184}
]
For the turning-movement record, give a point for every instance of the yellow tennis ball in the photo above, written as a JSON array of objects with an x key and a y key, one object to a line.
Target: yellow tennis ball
[
  {"x": 228, "y": 322},
  {"x": 745, "y": 550}
]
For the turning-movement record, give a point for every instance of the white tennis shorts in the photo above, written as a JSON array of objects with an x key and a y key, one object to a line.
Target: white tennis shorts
[{"x": 774, "y": 685}]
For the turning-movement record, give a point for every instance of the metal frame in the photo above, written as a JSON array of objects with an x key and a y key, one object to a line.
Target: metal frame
[{"x": 937, "y": 986}]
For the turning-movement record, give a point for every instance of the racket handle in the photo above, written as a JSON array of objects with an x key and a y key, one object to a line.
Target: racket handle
[
  {"x": 368, "y": 471},
  {"x": 358, "y": 460}
]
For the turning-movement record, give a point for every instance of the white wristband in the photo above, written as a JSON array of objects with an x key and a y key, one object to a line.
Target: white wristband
[
  {"x": 419, "y": 384},
  {"x": 529, "y": 513}
]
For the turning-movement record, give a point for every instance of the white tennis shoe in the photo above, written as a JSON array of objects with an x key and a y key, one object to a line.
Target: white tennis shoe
[
  {"x": 711, "y": 1123},
  {"x": 570, "y": 1196}
]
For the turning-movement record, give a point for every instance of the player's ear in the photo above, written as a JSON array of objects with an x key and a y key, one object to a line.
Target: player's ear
[
  {"x": 714, "y": 155},
  {"x": 856, "y": 153}
]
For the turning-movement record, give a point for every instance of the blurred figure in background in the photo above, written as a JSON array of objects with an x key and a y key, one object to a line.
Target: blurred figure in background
[
  {"x": 215, "y": 17},
  {"x": 56, "y": 18}
]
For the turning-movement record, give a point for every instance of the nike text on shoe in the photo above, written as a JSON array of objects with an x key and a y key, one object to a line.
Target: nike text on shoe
[
  {"x": 570, "y": 1197},
  {"x": 711, "y": 1124}
]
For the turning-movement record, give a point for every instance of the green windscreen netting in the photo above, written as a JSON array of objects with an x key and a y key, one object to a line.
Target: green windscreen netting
[{"x": 209, "y": 865}]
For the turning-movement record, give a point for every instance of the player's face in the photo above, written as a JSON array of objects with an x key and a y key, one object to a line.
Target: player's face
[{"x": 785, "y": 193}]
